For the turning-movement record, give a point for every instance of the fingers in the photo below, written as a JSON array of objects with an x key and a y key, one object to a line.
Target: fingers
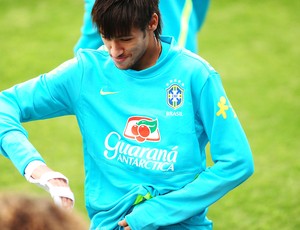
[
  {"x": 53, "y": 182},
  {"x": 66, "y": 203},
  {"x": 59, "y": 182},
  {"x": 61, "y": 193},
  {"x": 124, "y": 224}
]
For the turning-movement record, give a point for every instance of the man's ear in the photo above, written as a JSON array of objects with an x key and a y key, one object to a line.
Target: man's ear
[{"x": 153, "y": 22}]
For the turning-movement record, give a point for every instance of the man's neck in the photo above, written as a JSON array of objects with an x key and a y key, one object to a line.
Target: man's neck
[{"x": 151, "y": 55}]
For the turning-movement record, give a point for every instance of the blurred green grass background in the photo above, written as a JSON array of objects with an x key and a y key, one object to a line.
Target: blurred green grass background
[{"x": 253, "y": 45}]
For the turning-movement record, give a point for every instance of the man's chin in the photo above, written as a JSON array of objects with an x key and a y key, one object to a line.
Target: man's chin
[{"x": 122, "y": 67}]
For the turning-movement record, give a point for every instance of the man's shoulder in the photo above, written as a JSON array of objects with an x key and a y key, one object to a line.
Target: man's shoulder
[
  {"x": 94, "y": 55},
  {"x": 102, "y": 49}
]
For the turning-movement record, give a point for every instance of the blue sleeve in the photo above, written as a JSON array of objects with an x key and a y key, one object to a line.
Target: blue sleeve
[
  {"x": 49, "y": 95},
  {"x": 201, "y": 8},
  {"x": 232, "y": 159},
  {"x": 183, "y": 20},
  {"x": 90, "y": 37}
]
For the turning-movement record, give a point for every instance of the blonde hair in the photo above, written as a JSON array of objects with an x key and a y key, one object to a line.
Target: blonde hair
[{"x": 36, "y": 213}]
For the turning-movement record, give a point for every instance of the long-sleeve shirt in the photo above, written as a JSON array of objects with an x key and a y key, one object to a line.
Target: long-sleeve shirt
[{"x": 144, "y": 136}]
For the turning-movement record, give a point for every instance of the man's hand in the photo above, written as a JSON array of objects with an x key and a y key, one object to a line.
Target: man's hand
[
  {"x": 66, "y": 203},
  {"x": 55, "y": 186},
  {"x": 124, "y": 224}
]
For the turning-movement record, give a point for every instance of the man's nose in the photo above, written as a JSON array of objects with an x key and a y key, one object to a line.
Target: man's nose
[{"x": 115, "y": 49}]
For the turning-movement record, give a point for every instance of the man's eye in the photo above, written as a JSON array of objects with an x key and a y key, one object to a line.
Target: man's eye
[{"x": 125, "y": 39}]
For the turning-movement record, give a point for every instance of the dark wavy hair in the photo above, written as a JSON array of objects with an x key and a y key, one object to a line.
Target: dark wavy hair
[{"x": 115, "y": 18}]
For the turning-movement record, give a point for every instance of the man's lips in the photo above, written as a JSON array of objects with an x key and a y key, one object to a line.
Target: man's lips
[{"x": 119, "y": 59}]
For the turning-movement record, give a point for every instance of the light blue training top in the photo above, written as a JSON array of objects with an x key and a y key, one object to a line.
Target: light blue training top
[{"x": 144, "y": 136}]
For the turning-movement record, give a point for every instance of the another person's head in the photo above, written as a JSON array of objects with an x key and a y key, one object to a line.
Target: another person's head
[
  {"x": 20, "y": 212},
  {"x": 130, "y": 29}
]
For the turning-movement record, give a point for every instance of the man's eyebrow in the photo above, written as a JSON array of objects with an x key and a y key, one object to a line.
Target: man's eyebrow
[{"x": 119, "y": 36}]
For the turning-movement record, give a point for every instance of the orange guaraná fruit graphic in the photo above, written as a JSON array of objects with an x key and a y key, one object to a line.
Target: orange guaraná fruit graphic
[{"x": 142, "y": 129}]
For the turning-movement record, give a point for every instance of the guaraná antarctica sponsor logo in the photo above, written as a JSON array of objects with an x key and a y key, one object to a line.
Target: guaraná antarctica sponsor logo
[{"x": 141, "y": 129}]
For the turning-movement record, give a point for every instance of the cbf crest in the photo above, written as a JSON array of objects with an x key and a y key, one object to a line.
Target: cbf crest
[{"x": 175, "y": 94}]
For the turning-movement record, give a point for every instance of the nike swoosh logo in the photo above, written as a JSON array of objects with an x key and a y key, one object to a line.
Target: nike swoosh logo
[{"x": 103, "y": 93}]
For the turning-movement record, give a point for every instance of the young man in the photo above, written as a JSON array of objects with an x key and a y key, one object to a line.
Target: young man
[
  {"x": 181, "y": 19},
  {"x": 146, "y": 111}
]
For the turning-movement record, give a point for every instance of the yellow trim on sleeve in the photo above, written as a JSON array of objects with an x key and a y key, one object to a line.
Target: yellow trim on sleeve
[{"x": 186, "y": 14}]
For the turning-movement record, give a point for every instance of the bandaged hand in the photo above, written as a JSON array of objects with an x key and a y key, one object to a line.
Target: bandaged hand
[{"x": 53, "y": 182}]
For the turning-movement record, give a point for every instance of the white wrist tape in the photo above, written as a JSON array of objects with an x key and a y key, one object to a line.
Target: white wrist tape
[
  {"x": 30, "y": 168},
  {"x": 56, "y": 192}
]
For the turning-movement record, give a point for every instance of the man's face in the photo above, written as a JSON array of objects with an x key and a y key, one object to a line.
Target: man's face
[{"x": 128, "y": 52}]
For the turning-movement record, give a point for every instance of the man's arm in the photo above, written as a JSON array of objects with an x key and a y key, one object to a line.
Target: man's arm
[
  {"x": 233, "y": 164},
  {"x": 40, "y": 98}
]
